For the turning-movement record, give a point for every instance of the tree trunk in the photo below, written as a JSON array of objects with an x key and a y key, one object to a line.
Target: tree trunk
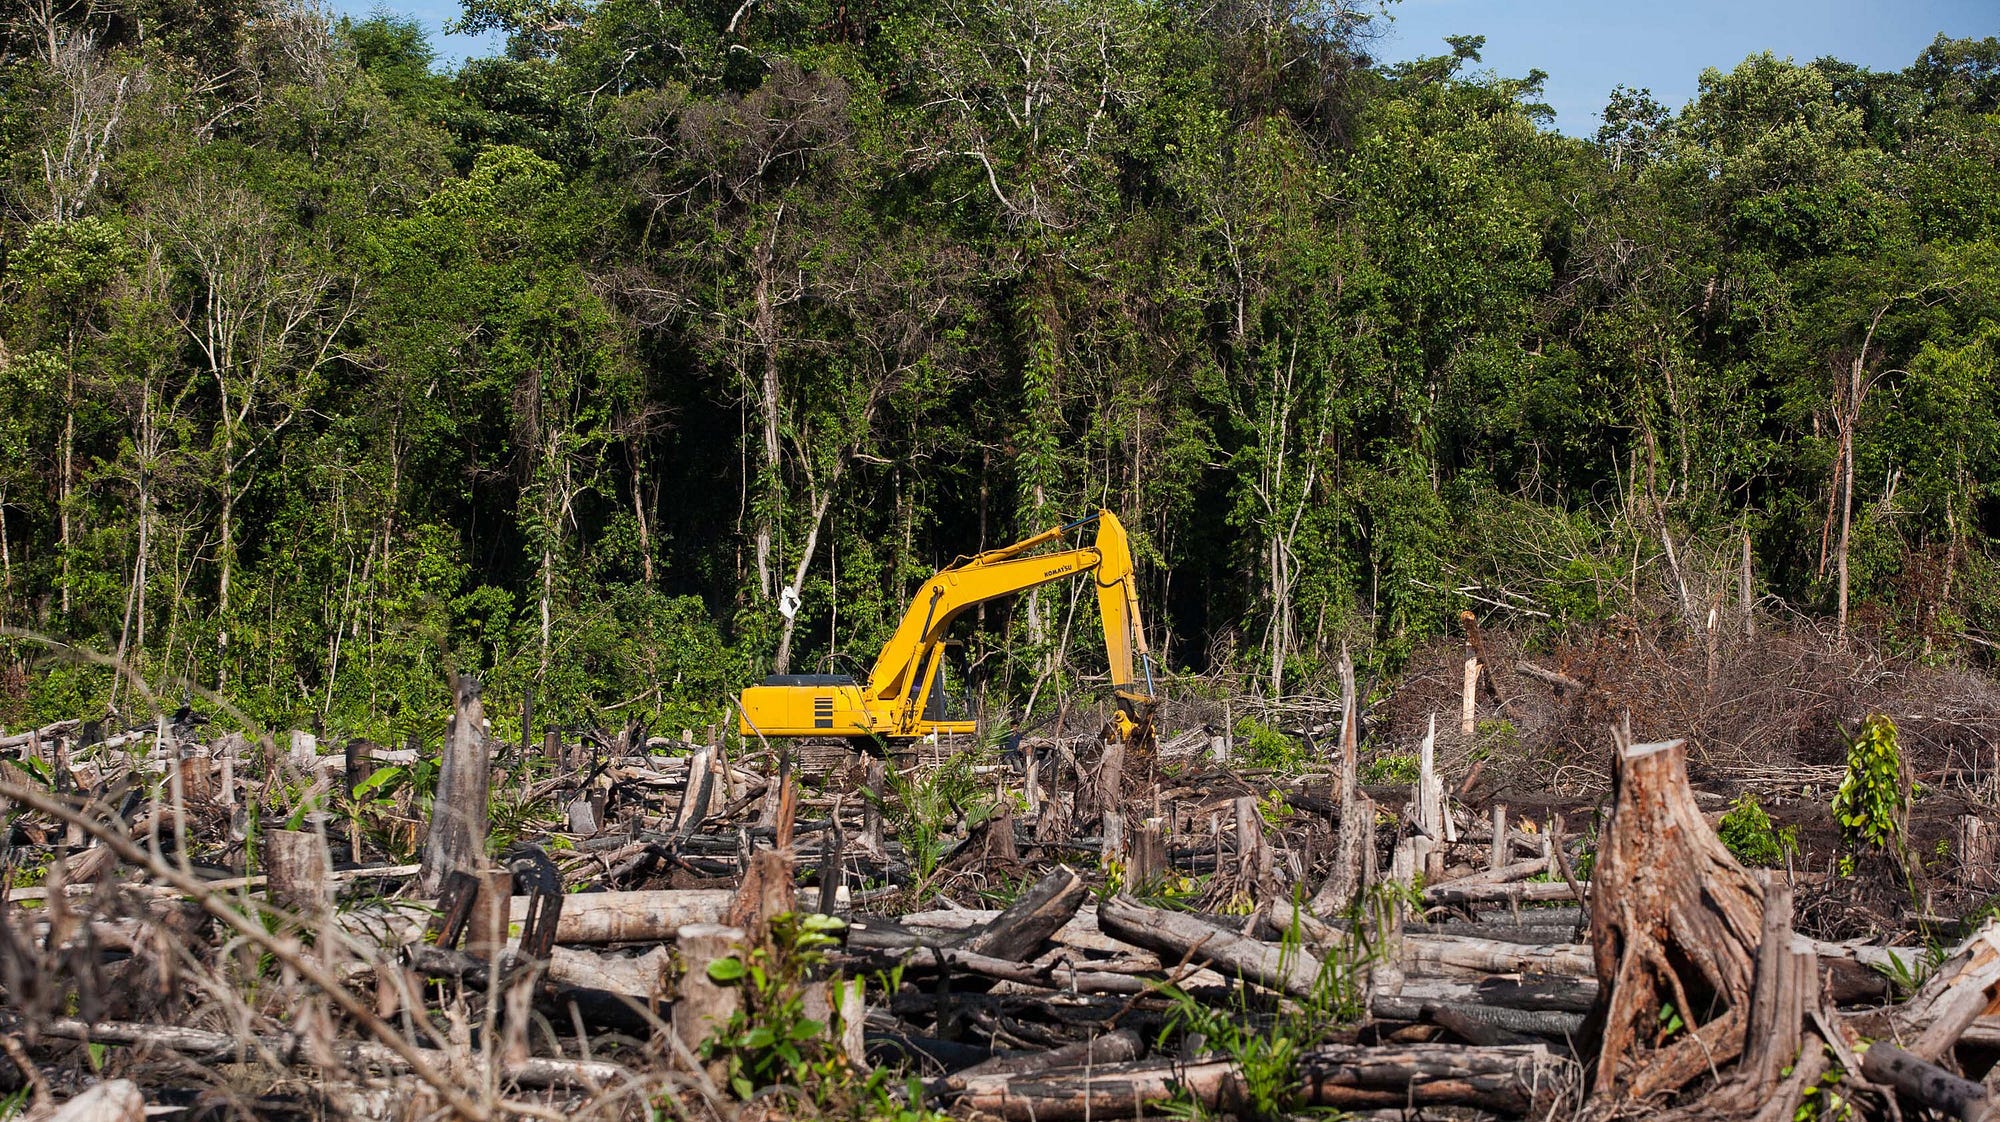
[
  {"x": 1847, "y": 494},
  {"x": 1017, "y": 933},
  {"x": 1512, "y": 1080},
  {"x": 457, "y": 839},
  {"x": 1924, "y": 1083},
  {"x": 67, "y": 481},
  {"x": 765, "y": 327},
  {"x": 781, "y": 663},
  {"x": 116, "y": 1100},
  {"x": 1357, "y": 813},
  {"x": 1674, "y": 921},
  {"x": 1280, "y": 617},
  {"x": 226, "y": 551},
  {"x": 639, "y": 511},
  {"x": 1177, "y": 935},
  {"x": 298, "y": 868}
]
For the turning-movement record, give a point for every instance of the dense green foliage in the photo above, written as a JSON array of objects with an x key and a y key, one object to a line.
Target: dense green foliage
[{"x": 322, "y": 372}]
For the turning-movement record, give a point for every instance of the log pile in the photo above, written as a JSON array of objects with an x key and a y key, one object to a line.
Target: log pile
[{"x": 1444, "y": 955}]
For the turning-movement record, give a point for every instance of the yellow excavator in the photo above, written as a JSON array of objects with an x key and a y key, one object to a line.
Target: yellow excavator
[{"x": 904, "y": 696}]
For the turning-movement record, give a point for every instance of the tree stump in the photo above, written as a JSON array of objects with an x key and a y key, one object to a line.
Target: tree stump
[
  {"x": 457, "y": 839},
  {"x": 765, "y": 892},
  {"x": 704, "y": 1006},
  {"x": 1674, "y": 920},
  {"x": 1355, "y": 842},
  {"x": 300, "y": 872},
  {"x": 492, "y": 911}
]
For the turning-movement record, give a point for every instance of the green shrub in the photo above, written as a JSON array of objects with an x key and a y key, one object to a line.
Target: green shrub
[
  {"x": 1265, "y": 1042},
  {"x": 926, "y": 808},
  {"x": 1873, "y": 796},
  {"x": 771, "y": 1047},
  {"x": 1496, "y": 736},
  {"x": 1748, "y": 833},
  {"x": 1264, "y": 746},
  {"x": 1401, "y": 768}
]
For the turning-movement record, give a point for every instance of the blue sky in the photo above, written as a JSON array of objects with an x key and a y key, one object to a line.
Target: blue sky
[{"x": 1587, "y": 46}]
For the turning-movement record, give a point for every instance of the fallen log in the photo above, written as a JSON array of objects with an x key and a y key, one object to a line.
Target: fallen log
[
  {"x": 631, "y": 917},
  {"x": 535, "y": 1071},
  {"x": 1020, "y": 930},
  {"x": 1504, "y": 874},
  {"x": 1416, "y": 1008},
  {"x": 641, "y": 977},
  {"x": 1555, "y": 678},
  {"x": 1509, "y": 1080},
  {"x": 1177, "y": 936},
  {"x": 1122, "y": 1046},
  {"x": 1924, "y": 1083},
  {"x": 1081, "y": 932},
  {"x": 46, "y": 732},
  {"x": 1526, "y": 892},
  {"x": 1984, "y": 1032},
  {"x": 1492, "y": 956},
  {"x": 1067, "y": 978},
  {"x": 1955, "y": 995}
]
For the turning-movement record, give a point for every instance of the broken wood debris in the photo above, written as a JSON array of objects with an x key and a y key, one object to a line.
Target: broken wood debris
[{"x": 653, "y": 858}]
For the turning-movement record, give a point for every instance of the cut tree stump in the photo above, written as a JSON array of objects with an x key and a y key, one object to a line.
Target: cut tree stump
[
  {"x": 486, "y": 929},
  {"x": 1355, "y": 841},
  {"x": 298, "y": 870},
  {"x": 457, "y": 839},
  {"x": 1786, "y": 989},
  {"x": 766, "y": 892},
  {"x": 703, "y": 1006},
  {"x": 1674, "y": 920}
]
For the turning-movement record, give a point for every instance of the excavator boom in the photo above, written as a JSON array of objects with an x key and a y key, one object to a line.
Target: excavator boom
[{"x": 902, "y": 697}]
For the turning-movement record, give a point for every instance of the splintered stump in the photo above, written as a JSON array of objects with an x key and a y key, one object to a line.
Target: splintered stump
[
  {"x": 457, "y": 839},
  {"x": 1674, "y": 920}
]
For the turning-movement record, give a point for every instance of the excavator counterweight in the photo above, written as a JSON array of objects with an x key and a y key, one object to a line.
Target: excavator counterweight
[{"x": 903, "y": 696}]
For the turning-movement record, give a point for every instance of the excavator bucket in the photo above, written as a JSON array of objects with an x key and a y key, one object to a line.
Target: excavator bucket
[{"x": 1135, "y": 720}]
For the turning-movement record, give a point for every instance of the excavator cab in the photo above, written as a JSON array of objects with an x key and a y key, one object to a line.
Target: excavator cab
[
  {"x": 806, "y": 705},
  {"x": 831, "y": 705}
]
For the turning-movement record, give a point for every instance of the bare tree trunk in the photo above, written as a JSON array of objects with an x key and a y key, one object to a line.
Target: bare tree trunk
[
  {"x": 1281, "y": 614},
  {"x": 68, "y": 476},
  {"x": 782, "y": 662},
  {"x": 1854, "y": 390},
  {"x": 227, "y": 550},
  {"x": 548, "y": 594},
  {"x": 764, "y": 327},
  {"x": 135, "y": 597},
  {"x": 6, "y": 556},
  {"x": 1744, "y": 594},
  {"x": 639, "y": 514}
]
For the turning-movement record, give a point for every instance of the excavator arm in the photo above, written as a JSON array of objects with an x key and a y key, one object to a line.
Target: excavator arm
[{"x": 893, "y": 701}]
